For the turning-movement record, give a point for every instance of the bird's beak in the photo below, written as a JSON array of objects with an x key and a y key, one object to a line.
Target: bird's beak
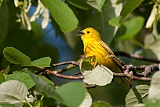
[{"x": 80, "y": 33}]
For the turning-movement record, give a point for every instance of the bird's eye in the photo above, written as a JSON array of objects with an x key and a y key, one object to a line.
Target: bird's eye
[{"x": 88, "y": 32}]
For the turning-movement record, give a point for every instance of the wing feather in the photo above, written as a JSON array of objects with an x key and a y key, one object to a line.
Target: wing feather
[{"x": 110, "y": 52}]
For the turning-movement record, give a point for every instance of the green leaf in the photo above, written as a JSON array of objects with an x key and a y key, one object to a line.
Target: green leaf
[
  {"x": 97, "y": 4},
  {"x": 87, "y": 102},
  {"x": 154, "y": 90},
  {"x": 72, "y": 93},
  {"x": 128, "y": 7},
  {"x": 100, "y": 75},
  {"x": 14, "y": 56},
  {"x": 101, "y": 104},
  {"x": 67, "y": 94},
  {"x": 13, "y": 92},
  {"x": 152, "y": 103},
  {"x": 152, "y": 49},
  {"x": 88, "y": 64},
  {"x": 2, "y": 78},
  {"x": 1, "y": 1},
  {"x": 7, "y": 105},
  {"x": 22, "y": 77},
  {"x": 39, "y": 103},
  {"x": 79, "y": 3},
  {"x": 115, "y": 21},
  {"x": 109, "y": 11},
  {"x": 119, "y": 1},
  {"x": 149, "y": 40},
  {"x": 47, "y": 80},
  {"x": 137, "y": 95},
  {"x": 42, "y": 62},
  {"x": 130, "y": 28},
  {"x": 7, "y": 69},
  {"x": 44, "y": 87},
  {"x": 62, "y": 14}
]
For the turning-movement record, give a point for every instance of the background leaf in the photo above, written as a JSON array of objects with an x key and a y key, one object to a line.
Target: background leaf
[
  {"x": 14, "y": 56},
  {"x": 128, "y": 7},
  {"x": 80, "y": 4},
  {"x": 44, "y": 87},
  {"x": 2, "y": 78},
  {"x": 70, "y": 93},
  {"x": 6, "y": 105},
  {"x": 130, "y": 28},
  {"x": 62, "y": 14},
  {"x": 22, "y": 77},
  {"x": 152, "y": 103},
  {"x": 47, "y": 80},
  {"x": 115, "y": 21},
  {"x": 13, "y": 92},
  {"x": 97, "y": 4},
  {"x": 42, "y": 62},
  {"x": 137, "y": 95},
  {"x": 109, "y": 11},
  {"x": 87, "y": 102},
  {"x": 154, "y": 90},
  {"x": 67, "y": 94},
  {"x": 151, "y": 47}
]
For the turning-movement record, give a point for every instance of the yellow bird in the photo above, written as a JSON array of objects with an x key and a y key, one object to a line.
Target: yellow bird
[{"x": 94, "y": 46}]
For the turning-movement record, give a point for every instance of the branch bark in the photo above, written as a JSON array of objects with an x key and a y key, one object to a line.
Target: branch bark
[
  {"x": 130, "y": 71},
  {"x": 138, "y": 57}
]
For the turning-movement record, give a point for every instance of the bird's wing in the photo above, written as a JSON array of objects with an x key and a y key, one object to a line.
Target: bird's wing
[
  {"x": 106, "y": 47},
  {"x": 118, "y": 61},
  {"x": 111, "y": 54}
]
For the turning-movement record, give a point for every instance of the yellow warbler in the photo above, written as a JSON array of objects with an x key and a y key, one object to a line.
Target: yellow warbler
[{"x": 94, "y": 46}]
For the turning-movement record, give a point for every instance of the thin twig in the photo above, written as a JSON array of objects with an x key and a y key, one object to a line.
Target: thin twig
[
  {"x": 142, "y": 67},
  {"x": 63, "y": 76},
  {"x": 139, "y": 57},
  {"x": 72, "y": 64},
  {"x": 148, "y": 69},
  {"x": 65, "y": 63},
  {"x": 131, "y": 77},
  {"x": 141, "y": 78},
  {"x": 130, "y": 71},
  {"x": 126, "y": 73}
]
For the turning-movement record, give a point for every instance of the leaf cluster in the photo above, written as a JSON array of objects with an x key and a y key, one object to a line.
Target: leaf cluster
[{"x": 19, "y": 88}]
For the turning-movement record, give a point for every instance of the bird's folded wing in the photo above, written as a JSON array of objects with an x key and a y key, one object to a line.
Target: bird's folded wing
[
  {"x": 106, "y": 47},
  {"x": 111, "y": 54}
]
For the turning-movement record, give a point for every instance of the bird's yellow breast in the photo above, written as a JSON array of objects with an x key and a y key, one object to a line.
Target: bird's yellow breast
[{"x": 95, "y": 49}]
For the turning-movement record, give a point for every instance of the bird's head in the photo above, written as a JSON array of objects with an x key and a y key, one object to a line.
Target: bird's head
[{"x": 89, "y": 34}]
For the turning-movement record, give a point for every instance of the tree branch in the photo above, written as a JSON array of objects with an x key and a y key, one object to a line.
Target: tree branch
[
  {"x": 63, "y": 76},
  {"x": 71, "y": 65},
  {"x": 139, "y": 57},
  {"x": 64, "y": 63},
  {"x": 132, "y": 77},
  {"x": 130, "y": 71}
]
